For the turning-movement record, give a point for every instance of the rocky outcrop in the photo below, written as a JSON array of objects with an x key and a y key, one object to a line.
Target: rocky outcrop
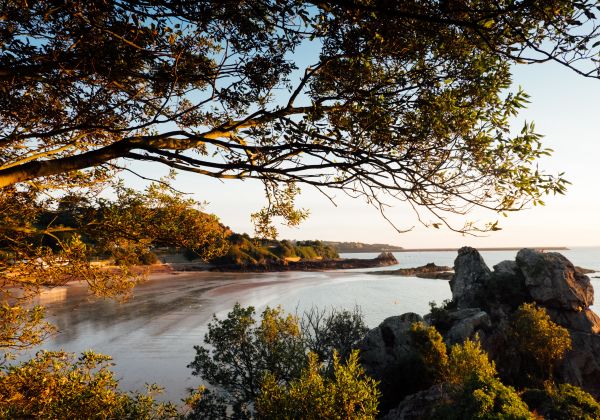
[
  {"x": 430, "y": 270},
  {"x": 388, "y": 344},
  {"x": 548, "y": 279},
  {"x": 553, "y": 281},
  {"x": 483, "y": 303},
  {"x": 586, "y": 321},
  {"x": 471, "y": 275}
]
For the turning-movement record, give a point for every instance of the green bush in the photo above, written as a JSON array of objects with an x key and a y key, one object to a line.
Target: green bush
[
  {"x": 474, "y": 391},
  {"x": 432, "y": 351},
  {"x": 484, "y": 398},
  {"x": 56, "y": 385},
  {"x": 348, "y": 394},
  {"x": 563, "y": 401},
  {"x": 240, "y": 350},
  {"x": 539, "y": 342}
]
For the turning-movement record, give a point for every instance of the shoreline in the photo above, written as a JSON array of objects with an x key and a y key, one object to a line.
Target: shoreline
[{"x": 516, "y": 248}]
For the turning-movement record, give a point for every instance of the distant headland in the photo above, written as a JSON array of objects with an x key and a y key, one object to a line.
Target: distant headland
[{"x": 352, "y": 247}]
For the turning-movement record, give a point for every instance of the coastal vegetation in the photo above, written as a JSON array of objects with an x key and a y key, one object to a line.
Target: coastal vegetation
[
  {"x": 246, "y": 251},
  {"x": 405, "y": 102}
]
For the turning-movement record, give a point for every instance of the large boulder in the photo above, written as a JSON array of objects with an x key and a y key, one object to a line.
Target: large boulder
[
  {"x": 467, "y": 323},
  {"x": 419, "y": 406},
  {"x": 583, "y": 321},
  {"x": 581, "y": 366},
  {"x": 471, "y": 275},
  {"x": 387, "y": 354},
  {"x": 553, "y": 281},
  {"x": 388, "y": 344}
]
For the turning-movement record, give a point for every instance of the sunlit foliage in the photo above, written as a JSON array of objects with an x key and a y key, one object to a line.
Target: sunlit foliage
[
  {"x": 240, "y": 351},
  {"x": 57, "y": 385},
  {"x": 539, "y": 341},
  {"x": 382, "y": 100},
  {"x": 348, "y": 394}
]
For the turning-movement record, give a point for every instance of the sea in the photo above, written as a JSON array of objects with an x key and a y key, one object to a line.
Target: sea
[{"x": 151, "y": 337}]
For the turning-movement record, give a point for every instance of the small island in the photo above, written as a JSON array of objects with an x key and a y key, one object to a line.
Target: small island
[{"x": 427, "y": 271}]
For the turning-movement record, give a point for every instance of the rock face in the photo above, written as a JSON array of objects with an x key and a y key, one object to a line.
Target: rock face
[
  {"x": 417, "y": 406},
  {"x": 483, "y": 302},
  {"x": 553, "y": 281},
  {"x": 548, "y": 279},
  {"x": 388, "y": 355},
  {"x": 468, "y": 323},
  {"x": 470, "y": 277}
]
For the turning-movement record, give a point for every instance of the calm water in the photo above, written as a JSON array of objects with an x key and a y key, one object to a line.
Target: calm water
[{"x": 151, "y": 337}]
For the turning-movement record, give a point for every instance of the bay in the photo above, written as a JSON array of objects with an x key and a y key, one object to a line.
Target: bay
[{"x": 151, "y": 336}]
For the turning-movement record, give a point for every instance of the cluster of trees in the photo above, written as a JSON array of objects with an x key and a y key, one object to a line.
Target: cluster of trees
[{"x": 246, "y": 251}]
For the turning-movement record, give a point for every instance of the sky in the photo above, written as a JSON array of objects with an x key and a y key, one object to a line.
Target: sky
[{"x": 565, "y": 109}]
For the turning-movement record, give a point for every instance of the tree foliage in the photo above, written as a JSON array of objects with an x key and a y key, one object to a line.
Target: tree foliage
[
  {"x": 405, "y": 98},
  {"x": 241, "y": 352},
  {"x": 50, "y": 241},
  {"x": 540, "y": 342},
  {"x": 57, "y": 385},
  {"x": 348, "y": 394}
]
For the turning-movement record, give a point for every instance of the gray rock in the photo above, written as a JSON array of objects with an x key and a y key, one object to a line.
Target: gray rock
[
  {"x": 470, "y": 277},
  {"x": 507, "y": 287},
  {"x": 507, "y": 268},
  {"x": 583, "y": 321},
  {"x": 467, "y": 327},
  {"x": 388, "y": 354},
  {"x": 581, "y": 366},
  {"x": 418, "y": 406},
  {"x": 553, "y": 281},
  {"x": 387, "y": 345}
]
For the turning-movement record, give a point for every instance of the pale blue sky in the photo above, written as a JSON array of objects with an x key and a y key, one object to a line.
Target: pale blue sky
[{"x": 565, "y": 109}]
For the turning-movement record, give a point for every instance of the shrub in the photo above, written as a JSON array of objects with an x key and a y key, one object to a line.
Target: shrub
[
  {"x": 484, "y": 398},
  {"x": 563, "y": 401},
  {"x": 240, "y": 351},
  {"x": 56, "y": 385},
  {"x": 335, "y": 330},
  {"x": 466, "y": 372},
  {"x": 468, "y": 360},
  {"x": 539, "y": 342},
  {"x": 432, "y": 350},
  {"x": 348, "y": 394}
]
